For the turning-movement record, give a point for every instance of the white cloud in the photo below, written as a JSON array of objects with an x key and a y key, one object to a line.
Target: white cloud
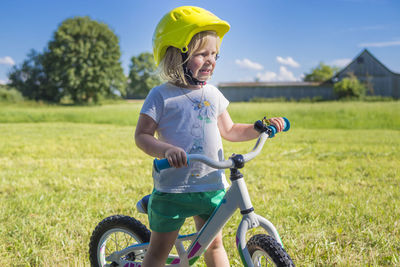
[
  {"x": 3, "y": 82},
  {"x": 341, "y": 62},
  {"x": 6, "y": 61},
  {"x": 380, "y": 44},
  {"x": 248, "y": 64},
  {"x": 267, "y": 76},
  {"x": 288, "y": 61},
  {"x": 284, "y": 75}
]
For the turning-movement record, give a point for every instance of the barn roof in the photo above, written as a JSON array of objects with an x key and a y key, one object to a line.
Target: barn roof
[{"x": 363, "y": 53}]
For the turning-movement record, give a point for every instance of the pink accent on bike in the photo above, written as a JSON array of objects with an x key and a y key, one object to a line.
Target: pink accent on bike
[
  {"x": 131, "y": 264},
  {"x": 196, "y": 248},
  {"x": 176, "y": 261}
]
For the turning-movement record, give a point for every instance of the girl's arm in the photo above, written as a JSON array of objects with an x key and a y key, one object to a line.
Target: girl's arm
[
  {"x": 236, "y": 132},
  {"x": 145, "y": 140}
]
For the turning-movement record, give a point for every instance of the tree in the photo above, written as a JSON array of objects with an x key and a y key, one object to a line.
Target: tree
[
  {"x": 142, "y": 76},
  {"x": 350, "y": 87},
  {"x": 321, "y": 73},
  {"x": 30, "y": 78},
  {"x": 10, "y": 94},
  {"x": 83, "y": 61}
]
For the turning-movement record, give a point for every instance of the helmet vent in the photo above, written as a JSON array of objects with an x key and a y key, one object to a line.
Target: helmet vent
[
  {"x": 196, "y": 10},
  {"x": 176, "y": 16},
  {"x": 186, "y": 12}
]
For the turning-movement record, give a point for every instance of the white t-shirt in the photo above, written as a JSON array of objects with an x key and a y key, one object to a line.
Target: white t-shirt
[{"x": 188, "y": 119}]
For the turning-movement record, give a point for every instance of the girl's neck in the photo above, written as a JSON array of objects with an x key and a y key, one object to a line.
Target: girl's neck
[
  {"x": 194, "y": 87},
  {"x": 189, "y": 87}
]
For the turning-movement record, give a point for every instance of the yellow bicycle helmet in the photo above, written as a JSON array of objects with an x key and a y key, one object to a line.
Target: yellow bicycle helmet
[{"x": 179, "y": 25}]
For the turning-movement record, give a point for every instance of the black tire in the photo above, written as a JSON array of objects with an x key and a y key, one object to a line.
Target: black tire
[
  {"x": 266, "y": 251},
  {"x": 132, "y": 231}
]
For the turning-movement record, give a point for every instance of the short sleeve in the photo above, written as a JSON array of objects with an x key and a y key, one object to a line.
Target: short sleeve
[
  {"x": 223, "y": 102},
  {"x": 153, "y": 105}
]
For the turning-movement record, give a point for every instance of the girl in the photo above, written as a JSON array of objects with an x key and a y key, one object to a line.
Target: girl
[{"x": 189, "y": 116}]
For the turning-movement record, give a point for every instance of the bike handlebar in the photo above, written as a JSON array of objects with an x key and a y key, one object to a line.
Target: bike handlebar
[
  {"x": 271, "y": 129},
  {"x": 266, "y": 132}
]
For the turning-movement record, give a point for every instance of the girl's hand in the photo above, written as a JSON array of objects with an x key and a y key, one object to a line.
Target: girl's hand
[
  {"x": 279, "y": 123},
  {"x": 176, "y": 157}
]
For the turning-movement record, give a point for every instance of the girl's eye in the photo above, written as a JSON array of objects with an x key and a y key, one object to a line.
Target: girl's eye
[
  {"x": 200, "y": 55},
  {"x": 205, "y": 55}
]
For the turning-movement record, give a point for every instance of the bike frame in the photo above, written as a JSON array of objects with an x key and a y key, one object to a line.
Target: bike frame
[{"x": 237, "y": 197}]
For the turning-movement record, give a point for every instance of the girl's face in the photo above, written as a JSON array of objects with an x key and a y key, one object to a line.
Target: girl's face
[{"x": 202, "y": 63}]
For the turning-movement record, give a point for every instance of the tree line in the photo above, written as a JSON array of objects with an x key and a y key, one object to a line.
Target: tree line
[{"x": 81, "y": 64}]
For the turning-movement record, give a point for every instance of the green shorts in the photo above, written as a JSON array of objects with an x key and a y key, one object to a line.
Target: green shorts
[{"x": 168, "y": 211}]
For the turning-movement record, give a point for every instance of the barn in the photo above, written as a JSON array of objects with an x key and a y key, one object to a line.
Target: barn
[{"x": 379, "y": 79}]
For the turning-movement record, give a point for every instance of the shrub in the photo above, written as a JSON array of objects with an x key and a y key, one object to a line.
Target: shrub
[
  {"x": 11, "y": 95},
  {"x": 350, "y": 87}
]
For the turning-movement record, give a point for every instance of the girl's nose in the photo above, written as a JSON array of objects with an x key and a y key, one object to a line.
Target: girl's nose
[{"x": 211, "y": 59}]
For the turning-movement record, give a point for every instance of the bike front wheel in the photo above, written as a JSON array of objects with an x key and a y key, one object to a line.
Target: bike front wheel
[
  {"x": 266, "y": 251},
  {"x": 113, "y": 234}
]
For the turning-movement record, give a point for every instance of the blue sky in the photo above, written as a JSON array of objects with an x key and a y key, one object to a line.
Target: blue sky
[{"x": 272, "y": 40}]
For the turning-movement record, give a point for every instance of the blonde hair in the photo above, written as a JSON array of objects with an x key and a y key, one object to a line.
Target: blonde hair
[{"x": 171, "y": 66}]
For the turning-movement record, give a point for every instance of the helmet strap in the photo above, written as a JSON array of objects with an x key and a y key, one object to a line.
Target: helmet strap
[{"x": 188, "y": 73}]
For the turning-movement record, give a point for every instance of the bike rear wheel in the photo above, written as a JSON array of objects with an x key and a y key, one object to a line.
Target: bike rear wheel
[
  {"x": 113, "y": 234},
  {"x": 266, "y": 251}
]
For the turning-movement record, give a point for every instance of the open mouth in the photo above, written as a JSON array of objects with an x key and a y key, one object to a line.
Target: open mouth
[{"x": 205, "y": 71}]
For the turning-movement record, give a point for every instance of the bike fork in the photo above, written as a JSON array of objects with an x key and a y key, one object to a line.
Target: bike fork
[{"x": 249, "y": 220}]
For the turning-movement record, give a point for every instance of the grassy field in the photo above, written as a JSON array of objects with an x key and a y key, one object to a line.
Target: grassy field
[{"x": 331, "y": 185}]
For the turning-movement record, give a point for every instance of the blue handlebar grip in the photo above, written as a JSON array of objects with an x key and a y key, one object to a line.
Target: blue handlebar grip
[
  {"x": 273, "y": 131},
  {"x": 285, "y": 128},
  {"x": 287, "y": 124},
  {"x": 162, "y": 164}
]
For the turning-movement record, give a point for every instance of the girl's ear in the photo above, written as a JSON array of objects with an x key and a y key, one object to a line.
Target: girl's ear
[{"x": 184, "y": 57}]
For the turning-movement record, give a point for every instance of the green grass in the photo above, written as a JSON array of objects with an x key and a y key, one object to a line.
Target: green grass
[
  {"x": 121, "y": 114},
  {"x": 331, "y": 185},
  {"x": 324, "y": 115}
]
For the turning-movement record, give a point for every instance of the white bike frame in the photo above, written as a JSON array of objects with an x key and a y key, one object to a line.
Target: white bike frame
[{"x": 237, "y": 197}]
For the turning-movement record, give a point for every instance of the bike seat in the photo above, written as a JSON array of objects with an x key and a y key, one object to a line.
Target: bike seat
[{"x": 141, "y": 206}]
